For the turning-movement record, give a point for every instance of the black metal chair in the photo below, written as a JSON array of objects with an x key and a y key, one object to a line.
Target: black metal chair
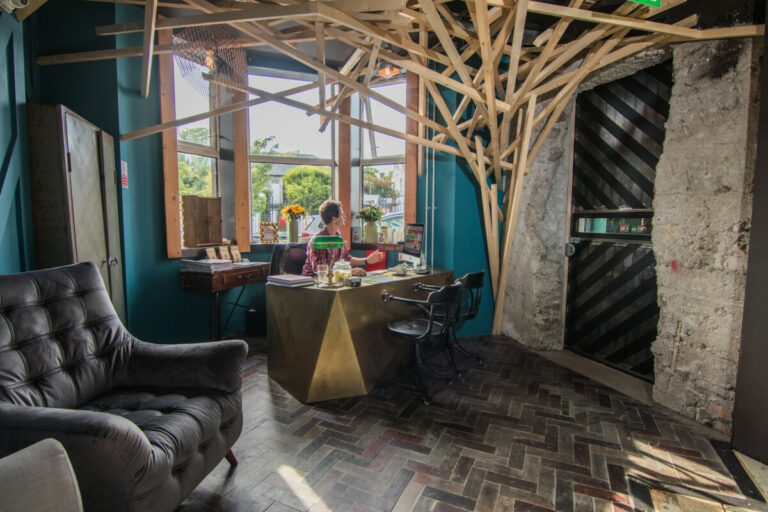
[
  {"x": 468, "y": 304},
  {"x": 434, "y": 324}
]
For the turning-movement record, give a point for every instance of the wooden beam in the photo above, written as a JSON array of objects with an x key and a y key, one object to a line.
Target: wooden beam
[
  {"x": 259, "y": 12},
  {"x": 345, "y": 166},
  {"x": 26, "y": 12},
  {"x": 150, "y": 17},
  {"x": 481, "y": 12},
  {"x": 143, "y": 132},
  {"x": 320, "y": 48},
  {"x": 171, "y": 203},
  {"x": 491, "y": 235},
  {"x": 242, "y": 165},
  {"x": 429, "y": 9},
  {"x": 347, "y": 119},
  {"x": 636, "y": 24},
  {"x": 514, "y": 61},
  {"x": 412, "y": 101}
]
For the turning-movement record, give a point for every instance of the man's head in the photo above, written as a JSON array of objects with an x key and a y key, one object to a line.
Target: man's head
[{"x": 329, "y": 210}]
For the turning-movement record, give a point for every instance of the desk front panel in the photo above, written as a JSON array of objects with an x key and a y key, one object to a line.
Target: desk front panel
[{"x": 331, "y": 343}]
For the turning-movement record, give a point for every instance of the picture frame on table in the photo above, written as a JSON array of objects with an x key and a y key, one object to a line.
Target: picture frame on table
[{"x": 269, "y": 233}]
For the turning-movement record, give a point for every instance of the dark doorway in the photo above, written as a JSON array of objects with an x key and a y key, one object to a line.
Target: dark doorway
[{"x": 612, "y": 312}]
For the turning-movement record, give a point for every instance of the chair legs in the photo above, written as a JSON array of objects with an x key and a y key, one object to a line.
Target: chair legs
[
  {"x": 456, "y": 344},
  {"x": 231, "y": 458}
]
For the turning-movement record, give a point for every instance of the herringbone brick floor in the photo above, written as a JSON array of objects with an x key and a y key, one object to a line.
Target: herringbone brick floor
[{"x": 519, "y": 433}]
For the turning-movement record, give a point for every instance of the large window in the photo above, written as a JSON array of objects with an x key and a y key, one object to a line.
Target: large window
[
  {"x": 291, "y": 161},
  {"x": 383, "y": 159},
  {"x": 197, "y": 142}
]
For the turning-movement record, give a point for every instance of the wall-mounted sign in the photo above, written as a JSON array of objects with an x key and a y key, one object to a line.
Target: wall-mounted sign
[
  {"x": 124, "y": 173},
  {"x": 652, "y": 3}
]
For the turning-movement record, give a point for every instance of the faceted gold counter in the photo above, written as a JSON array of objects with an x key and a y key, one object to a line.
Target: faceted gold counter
[{"x": 331, "y": 343}]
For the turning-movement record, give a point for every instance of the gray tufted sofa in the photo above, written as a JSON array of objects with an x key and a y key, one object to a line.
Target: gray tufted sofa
[{"x": 142, "y": 423}]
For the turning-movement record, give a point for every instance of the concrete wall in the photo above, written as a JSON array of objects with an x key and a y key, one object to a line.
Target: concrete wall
[
  {"x": 534, "y": 291},
  {"x": 701, "y": 227}
]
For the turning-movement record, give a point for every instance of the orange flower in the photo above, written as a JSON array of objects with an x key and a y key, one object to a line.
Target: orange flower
[{"x": 293, "y": 212}]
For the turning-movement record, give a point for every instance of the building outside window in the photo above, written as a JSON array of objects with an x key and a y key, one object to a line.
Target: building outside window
[
  {"x": 383, "y": 158},
  {"x": 291, "y": 161}
]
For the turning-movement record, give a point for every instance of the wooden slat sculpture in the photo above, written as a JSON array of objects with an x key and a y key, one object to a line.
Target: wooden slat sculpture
[{"x": 515, "y": 95}]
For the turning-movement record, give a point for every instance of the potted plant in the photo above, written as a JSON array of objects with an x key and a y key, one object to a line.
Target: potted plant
[
  {"x": 292, "y": 213},
  {"x": 371, "y": 215}
]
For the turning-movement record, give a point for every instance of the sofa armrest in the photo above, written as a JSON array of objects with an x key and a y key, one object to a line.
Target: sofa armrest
[
  {"x": 109, "y": 453},
  {"x": 107, "y": 438},
  {"x": 39, "y": 477},
  {"x": 214, "y": 365}
]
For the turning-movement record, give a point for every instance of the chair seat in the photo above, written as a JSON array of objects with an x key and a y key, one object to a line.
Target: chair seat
[
  {"x": 185, "y": 429},
  {"x": 413, "y": 327}
]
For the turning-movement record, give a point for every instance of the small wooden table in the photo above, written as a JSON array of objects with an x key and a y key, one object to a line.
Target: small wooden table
[
  {"x": 326, "y": 343},
  {"x": 221, "y": 280}
]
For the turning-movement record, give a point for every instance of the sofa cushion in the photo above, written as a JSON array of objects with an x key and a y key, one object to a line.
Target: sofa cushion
[{"x": 178, "y": 424}]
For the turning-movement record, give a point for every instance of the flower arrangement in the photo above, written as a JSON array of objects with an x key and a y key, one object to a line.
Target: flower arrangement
[
  {"x": 370, "y": 213},
  {"x": 293, "y": 212}
]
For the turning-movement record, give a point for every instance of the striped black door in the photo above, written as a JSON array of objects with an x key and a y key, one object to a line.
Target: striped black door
[{"x": 611, "y": 310}]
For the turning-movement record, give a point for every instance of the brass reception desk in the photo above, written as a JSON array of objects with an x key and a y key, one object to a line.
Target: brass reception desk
[{"x": 326, "y": 343}]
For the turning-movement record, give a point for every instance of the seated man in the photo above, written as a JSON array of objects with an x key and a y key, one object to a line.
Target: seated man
[{"x": 333, "y": 218}]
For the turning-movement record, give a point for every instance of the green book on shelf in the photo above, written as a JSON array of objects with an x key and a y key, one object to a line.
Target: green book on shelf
[{"x": 328, "y": 242}]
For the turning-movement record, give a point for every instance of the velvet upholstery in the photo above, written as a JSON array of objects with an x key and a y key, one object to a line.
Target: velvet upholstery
[{"x": 142, "y": 423}]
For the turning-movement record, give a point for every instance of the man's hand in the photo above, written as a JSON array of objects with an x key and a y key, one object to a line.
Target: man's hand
[
  {"x": 357, "y": 271},
  {"x": 375, "y": 257}
]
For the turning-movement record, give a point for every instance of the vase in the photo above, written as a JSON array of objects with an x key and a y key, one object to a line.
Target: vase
[
  {"x": 371, "y": 233},
  {"x": 293, "y": 231}
]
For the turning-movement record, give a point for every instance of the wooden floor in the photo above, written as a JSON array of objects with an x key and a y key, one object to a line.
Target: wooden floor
[{"x": 518, "y": 433}]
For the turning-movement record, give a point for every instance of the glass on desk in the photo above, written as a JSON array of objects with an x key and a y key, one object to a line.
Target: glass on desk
[{"x": 322, "y": 275}]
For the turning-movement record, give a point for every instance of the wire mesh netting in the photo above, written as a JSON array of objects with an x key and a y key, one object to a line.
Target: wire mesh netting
[{"x": 207, "y": 57}]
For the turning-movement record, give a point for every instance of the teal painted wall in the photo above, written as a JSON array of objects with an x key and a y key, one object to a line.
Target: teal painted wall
[
  {"x": 459, "y": 240},
  {"x": 159, "y": 310},
  {"x": 107, "y": 93},
  {"x": 16, "y": 253}
]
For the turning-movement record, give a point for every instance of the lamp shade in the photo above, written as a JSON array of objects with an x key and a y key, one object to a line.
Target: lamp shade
[{"x": 328, "y": 242}]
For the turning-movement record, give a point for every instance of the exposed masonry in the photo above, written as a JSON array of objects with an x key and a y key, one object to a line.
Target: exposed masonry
[
  {"x": 701, "y": 231},
  {"x": 703, "y": 208},
  {"x": 533, "y": 305}
]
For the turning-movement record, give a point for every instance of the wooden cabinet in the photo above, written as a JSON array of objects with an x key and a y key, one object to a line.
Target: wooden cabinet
[{"x": 74, "y": 195}]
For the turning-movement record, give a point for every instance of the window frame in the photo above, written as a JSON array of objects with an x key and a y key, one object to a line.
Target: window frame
[
  {"x": 332, "y": 162},
  {"x": 171, "y": 146}
]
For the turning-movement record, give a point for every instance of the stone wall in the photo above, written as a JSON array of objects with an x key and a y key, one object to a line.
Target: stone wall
[
  {"x": 533, "y": 303},
  {"x": 701, "y": 227}
]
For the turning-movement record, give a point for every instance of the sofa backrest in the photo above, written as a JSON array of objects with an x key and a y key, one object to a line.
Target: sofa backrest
[{"x": 60, "y": 338}]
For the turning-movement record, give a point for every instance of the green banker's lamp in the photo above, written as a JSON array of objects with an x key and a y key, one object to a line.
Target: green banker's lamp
[{"x": 328, "y": 242}]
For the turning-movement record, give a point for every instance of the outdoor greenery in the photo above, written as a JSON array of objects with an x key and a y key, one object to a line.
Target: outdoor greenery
[
  {"x": 195, "y": 175},
  {"x": 195, "y": 172},
  {"x": 377, "y": 183},
  {"x": 308, "y": 185}
]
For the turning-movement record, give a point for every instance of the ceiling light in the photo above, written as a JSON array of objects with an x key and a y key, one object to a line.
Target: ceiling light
[{"x": 387, "y": 70}]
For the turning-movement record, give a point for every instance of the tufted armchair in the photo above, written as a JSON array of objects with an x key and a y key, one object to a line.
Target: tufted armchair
[{"x": 142, "y": 423}]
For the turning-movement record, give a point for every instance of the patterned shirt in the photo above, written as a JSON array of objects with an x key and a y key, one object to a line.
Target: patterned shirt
[{"x": 317, "y": 257}]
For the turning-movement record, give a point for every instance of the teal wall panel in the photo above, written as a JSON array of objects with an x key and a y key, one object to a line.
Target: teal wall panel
[
  {"x": 459, "y": 240},
  {"x": 158, "y": 309},
  {"x": 15, "y": 216}
]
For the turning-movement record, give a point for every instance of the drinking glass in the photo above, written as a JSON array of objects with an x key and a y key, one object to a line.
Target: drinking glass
[{"x": 322, "y": 275}]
